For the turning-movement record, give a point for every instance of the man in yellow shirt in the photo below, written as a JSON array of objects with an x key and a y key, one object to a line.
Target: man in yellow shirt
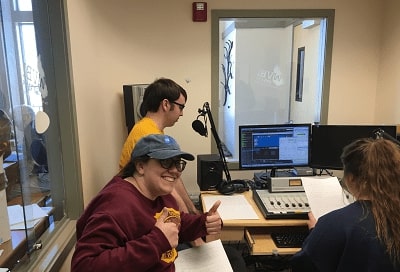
[{"x": 163, "y": 104}]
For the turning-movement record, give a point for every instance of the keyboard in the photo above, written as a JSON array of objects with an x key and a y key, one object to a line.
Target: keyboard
[{"x": 289, "y": 239}]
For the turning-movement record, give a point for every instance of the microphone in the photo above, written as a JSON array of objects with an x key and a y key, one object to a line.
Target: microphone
[
  {"x": 198, "y": 126},
  {"x": 229, "y": 186}
]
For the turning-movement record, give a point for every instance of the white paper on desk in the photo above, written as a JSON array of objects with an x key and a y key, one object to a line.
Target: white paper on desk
[
  {"x": 324, "y": 194},
  {"x": 232, "y": 207},
  {"x": 208, "y": 257},
  {"x": 33, "y": 215}
]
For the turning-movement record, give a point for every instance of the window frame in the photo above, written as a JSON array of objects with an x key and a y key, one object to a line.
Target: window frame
[
  {"x": 217, "y": 14},
  {"x": 50, "y": 20}
]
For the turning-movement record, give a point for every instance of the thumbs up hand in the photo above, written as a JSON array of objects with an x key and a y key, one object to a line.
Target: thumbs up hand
[{"x": 214, "y": 221}]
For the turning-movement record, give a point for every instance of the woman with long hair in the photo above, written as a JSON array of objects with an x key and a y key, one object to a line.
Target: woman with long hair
[{"x": 363, "y": 236}]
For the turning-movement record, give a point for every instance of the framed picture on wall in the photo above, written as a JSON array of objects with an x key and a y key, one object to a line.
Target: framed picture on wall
[
  {"x": 300, "y": 73},
  {"x": 133, "y": 98}
]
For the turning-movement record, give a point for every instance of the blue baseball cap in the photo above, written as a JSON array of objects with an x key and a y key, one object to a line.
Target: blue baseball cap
[{"x": 159, "y": 146}]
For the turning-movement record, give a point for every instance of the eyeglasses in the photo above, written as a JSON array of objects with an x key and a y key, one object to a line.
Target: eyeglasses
[
  {"x": 168, "y": 163},
  {"x": 181, "y": 106}
]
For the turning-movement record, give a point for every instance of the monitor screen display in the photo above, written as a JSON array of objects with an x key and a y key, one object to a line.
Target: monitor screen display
[
  {"x": 274, "y": 146},
  {"x": 328, "y": 141}
]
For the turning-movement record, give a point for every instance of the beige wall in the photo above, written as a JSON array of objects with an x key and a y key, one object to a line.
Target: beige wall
[
  {"x": 309, "y": 39},
  {"x": 131, "y": 41},
  {"x": 388, "y": 90}
]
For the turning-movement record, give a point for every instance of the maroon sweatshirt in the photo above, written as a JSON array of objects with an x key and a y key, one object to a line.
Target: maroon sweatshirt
[{"x": 117, "y": 232}]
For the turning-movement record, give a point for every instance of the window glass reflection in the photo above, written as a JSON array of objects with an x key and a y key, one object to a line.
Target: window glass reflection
[
  {"x": 29, "y": 200},
  {"x": 23, "y": 5},
  {"x": 254, "y": 61},
  {"x": 28, "y": 60}
]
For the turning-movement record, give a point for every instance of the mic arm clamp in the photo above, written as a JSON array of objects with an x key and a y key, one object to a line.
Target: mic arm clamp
[
  {"x": 380, "y": 133},
  {"x": 203, "y": 111},
  {"x": 206, "y": 110}
]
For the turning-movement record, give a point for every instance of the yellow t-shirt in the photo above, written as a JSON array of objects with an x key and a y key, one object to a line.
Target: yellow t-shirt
[{"x": 142, "y": 128}]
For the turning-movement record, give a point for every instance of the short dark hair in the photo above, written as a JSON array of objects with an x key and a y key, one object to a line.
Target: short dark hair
[{"x": 160, "y": 89}]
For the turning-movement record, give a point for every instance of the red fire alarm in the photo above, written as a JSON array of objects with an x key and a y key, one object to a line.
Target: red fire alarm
[{"x": 199, "y": 11}]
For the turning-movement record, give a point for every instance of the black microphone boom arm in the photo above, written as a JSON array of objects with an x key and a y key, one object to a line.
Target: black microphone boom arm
[
  {"x": 206, "y": 109},
  {"x": 380, "y": 133}
]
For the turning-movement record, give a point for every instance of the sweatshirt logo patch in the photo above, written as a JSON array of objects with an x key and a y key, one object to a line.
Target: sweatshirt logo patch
[{"x": 173, "y": 216}]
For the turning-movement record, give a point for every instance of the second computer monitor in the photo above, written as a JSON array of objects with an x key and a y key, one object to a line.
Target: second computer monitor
[
  {"x": 328, "y": 141},
  {"x": 274, "y": 146}
]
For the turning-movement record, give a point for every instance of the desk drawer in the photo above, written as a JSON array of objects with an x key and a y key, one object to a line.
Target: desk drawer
[
  {"x": 260, "y": 242},
  {"x": 231, "y": 234}
]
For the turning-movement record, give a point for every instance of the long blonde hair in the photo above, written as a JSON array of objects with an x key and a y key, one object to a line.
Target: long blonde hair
[{"x": 375, "y": 168}]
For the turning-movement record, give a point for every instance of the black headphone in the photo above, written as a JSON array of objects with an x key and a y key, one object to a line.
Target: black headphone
[{"x": 234, "y": 186}]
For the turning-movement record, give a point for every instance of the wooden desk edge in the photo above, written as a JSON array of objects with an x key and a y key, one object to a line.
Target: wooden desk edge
[
  {"x": 261, "y": 221},
  {"x": 238, "y": 229}
]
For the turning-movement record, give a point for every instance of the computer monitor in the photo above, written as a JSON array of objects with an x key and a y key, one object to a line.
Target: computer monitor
[
  {"x": 328, "y": 141},
  {"x": 274, "y": 146}
]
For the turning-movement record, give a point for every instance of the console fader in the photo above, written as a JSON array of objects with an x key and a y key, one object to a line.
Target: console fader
[{"x": 285, "y": 199}]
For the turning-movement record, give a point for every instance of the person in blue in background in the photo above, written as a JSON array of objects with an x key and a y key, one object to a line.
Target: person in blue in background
[{"x": 365, "y": 235}]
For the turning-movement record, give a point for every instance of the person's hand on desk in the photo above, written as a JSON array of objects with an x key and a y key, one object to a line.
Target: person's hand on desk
[
  {"x": 311, "y": 221},
  {"x": 214, "y": 221}
]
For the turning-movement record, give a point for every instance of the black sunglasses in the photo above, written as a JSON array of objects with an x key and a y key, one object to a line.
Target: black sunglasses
[
  {"x": 181, "y": 106},
  {"x": 169, "y": 163}
]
